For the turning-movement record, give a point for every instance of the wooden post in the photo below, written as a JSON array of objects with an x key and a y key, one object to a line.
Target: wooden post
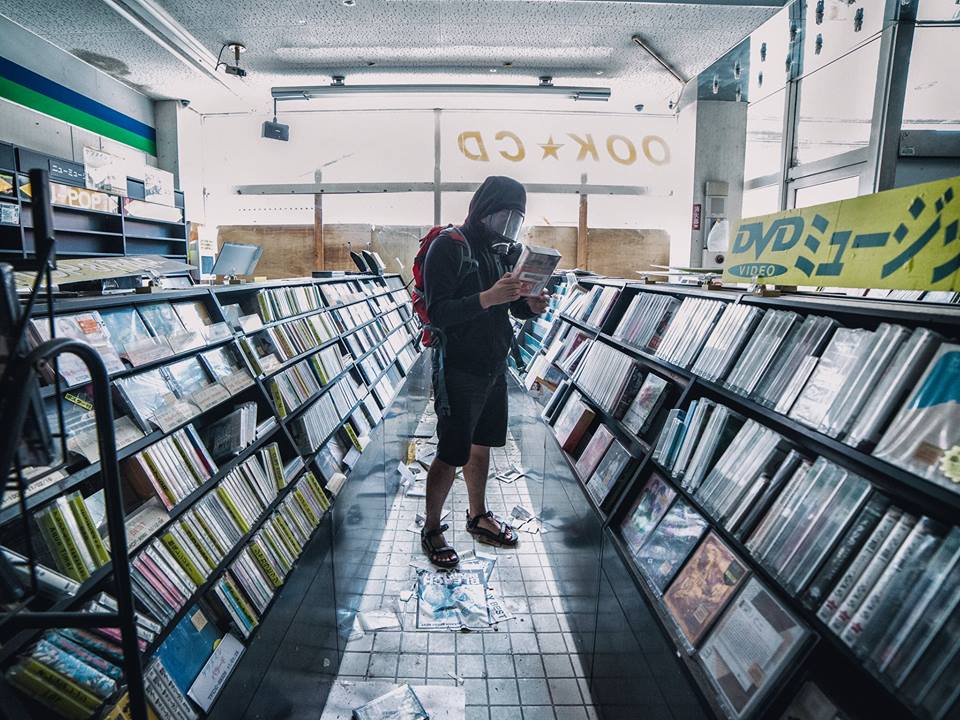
[
  {"x": 582, "y": 228},
  {"x": 318, "y": 248}
]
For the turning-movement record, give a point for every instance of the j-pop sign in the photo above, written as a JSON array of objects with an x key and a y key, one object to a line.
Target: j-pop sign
[{"x": 906, "y": 239}]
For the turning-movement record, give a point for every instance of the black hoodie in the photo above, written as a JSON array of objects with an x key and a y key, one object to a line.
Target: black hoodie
[{"x": 477, "y": 340}]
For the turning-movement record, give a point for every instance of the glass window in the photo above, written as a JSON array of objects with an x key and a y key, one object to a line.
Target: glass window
[
  {"x": 836, "y": 105},
  {"x": 938, "y": 10},
  {"x": 832, "y": 191},
  {"x": 760, "y": 201},
  {"x": 769, "y": 50},
  {"x": 837, "y": 32},
  {"x": 764, "y": 136},
  {"x": 932, "y": 100}
]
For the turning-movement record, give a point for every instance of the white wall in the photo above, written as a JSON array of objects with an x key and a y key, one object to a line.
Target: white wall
[{"x": 23, "y": 126}]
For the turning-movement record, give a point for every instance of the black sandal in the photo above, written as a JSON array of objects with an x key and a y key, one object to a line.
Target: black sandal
[
  {"x": 434, "y": 551},
  {"x": 505, "y": 538}
]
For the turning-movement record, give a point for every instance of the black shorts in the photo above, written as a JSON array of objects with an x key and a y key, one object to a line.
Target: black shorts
[{"x": 478, "y": 414}]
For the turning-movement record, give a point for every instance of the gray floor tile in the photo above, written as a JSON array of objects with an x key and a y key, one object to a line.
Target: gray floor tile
[
  {"x": 558, "y": 666},
  {"x": 414, "y": 642},
  {"x": 354, "y": 663},
  {"x": 383, "y": 665},
  {"x": 551, "y": 643},
  {"x": 470, "y": 666},
  {"x": 442, "y": 642},
  {"x": 565, "y": 691},
  {"x": 502, "y": 692},
  {"x": 538, "y": 712},
  {"x": 524, "y": 643},
  {"x": 500, "y": 666},
  {"x": 470, "y": 643},
  {"x": 439, "y": 665},
  {"x": 580, "y": 713},
  {"x": 386, "y": 642},
  {"x": 477, "y": 712},
  {"x": 475, "y": 690},
  {"x": 534, "y": 691},
  {"x": 412, "y": 665},
  {"x": 498, "y": 642}
]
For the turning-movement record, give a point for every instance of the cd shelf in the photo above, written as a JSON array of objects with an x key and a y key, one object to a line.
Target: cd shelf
[
  {"x": 392, "y": 344},
  {"x": 823, "y": 654}
]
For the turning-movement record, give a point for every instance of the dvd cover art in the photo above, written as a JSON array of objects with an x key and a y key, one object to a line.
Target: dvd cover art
[
  {"x": 644, "y": 405},
  {"x": 188, "y": 376},
  {"x": 924, "y": 437},
  {"x": 452, "y": 600},
  {"x": 125, "y": 326},
  {"x": 703, "y": 587},
  {"x": 671, "y": 543},
  {"x": 161, "y": 319},
  {"x": 752, "y": 644},
  {"x": 193, "y": 314},
  {"x": 608, "y": 472},
  {"x": 593, "y": 452},
  {"x": 222, "y": 361},
  {"x": 649, "y": 507}
]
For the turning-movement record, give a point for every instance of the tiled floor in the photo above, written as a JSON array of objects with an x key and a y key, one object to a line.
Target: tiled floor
[{"x": 528, "y": 667}]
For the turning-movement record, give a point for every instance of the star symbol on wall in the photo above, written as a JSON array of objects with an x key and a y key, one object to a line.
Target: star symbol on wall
[{"x": 550, "y": 148}]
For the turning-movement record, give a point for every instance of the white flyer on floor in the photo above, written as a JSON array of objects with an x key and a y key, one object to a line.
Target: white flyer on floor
[{"x": 452, "y": 600}]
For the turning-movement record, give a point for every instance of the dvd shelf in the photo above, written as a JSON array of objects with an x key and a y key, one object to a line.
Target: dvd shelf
[
  {"x": 239, "y": 411},
  {"x": 783, "y": 467},
  {"x": 88, "y": 223}
]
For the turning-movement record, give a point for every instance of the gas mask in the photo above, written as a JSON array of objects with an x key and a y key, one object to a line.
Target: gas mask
[{"x": 504, "y": 226}]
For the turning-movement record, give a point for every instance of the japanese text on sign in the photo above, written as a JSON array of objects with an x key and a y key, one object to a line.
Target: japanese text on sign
[{"x": 908, "y": 239}]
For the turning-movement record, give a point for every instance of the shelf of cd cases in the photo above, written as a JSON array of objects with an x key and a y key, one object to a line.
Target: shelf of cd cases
[
  {"x": 229, "y": 389},
  {"x": 709, "y": 347}
]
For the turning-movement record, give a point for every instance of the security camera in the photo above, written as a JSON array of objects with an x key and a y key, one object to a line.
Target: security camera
[
  {"x": 235, "y": 69},
  {"x": 184, "y": 103}
]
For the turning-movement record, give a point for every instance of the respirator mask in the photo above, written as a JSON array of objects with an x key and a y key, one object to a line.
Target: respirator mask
[{"x": 505, "y": 226}]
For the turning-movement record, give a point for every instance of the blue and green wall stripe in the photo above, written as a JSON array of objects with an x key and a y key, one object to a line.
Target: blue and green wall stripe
[{"x": 27, "y": 88}]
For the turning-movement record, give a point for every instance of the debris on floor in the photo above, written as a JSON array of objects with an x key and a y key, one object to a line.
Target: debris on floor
[
  {"x": 511, "y": 476},
  {"x": 417, "y": 525},
  {"x": 440, "y": 702},
  {"x": 375, "y": 620},
  {"x": 401, "y": 703}
]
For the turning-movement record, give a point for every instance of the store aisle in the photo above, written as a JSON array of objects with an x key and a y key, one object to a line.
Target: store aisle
[{"x": 528, "y": 667}]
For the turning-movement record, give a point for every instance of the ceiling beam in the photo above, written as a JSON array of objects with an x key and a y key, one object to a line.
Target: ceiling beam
[
  {"x": 360, "y": 188},
  {"x": 730, "y": 3}
]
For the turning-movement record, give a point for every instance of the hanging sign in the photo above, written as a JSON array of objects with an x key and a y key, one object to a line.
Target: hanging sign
[{"x": 903, "y": 239}]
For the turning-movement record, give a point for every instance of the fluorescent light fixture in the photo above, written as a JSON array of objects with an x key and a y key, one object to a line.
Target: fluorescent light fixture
[
  {"x": 338, "y": 89},
  {"x": 150, "y": 18}
]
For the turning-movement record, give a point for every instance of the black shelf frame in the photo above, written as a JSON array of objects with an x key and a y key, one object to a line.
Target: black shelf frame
[
  {"x": 833, "y": 659},
  {"x": 256, "y": 389}
]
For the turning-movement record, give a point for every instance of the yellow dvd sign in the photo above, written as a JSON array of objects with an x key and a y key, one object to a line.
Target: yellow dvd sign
[{"x": 903, "y": 239}]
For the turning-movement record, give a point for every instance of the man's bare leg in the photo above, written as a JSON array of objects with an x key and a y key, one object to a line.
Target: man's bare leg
[
  {"x": 440, "y": 478},
  {"x": 475, "y": 474}
]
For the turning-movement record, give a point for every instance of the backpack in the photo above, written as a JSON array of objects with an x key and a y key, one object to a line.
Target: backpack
[{"x": 417, "y": 295}]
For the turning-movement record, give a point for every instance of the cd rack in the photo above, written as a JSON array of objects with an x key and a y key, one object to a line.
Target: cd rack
[
  {"x": 238, "y": 338},
  {"x": 823, "y": 655}
]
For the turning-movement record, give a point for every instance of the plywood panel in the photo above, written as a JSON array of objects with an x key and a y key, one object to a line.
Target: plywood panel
[
  {"x": 287, "y": 249},
  {"x": 560, "y": 238},
  {"x": 621, "y": 252}
]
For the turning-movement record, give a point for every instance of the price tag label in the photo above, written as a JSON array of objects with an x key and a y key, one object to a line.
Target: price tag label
[
  {"x": 210, "y": 396},
  {"x": 237, "y": 381},
  {"x": 175, "y": 414},
  {"x": 216, "y": 332},
  {"x": 186, "y": 340},
  {"x": 147, "y": 350},
  {"x": 250, "y": 323}
]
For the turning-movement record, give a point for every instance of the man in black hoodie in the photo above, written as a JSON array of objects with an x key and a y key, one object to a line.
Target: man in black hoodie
[{"x": 470, "y": 294}]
